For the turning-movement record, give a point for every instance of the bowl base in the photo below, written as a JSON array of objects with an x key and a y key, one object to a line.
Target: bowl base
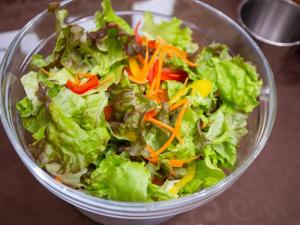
[{"x": 105, "y": 220}]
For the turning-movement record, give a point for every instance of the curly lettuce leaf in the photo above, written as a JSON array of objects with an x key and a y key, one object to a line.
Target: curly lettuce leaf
[
  {"x": 118, "y": 178},
  {"x": 226, "y": 129},
  {"x": 171, "y": 31},
  {"x": 70, "y": 145},
  {"x": 238, "y": 84},
  {"x": 107, "y": 58},
  {"x": 33, "y": 124},
  {"x": 108, "y": 15},
  {"x": 62, "y": 31},
  {"x": 128, "y": 108},
  {"x": 25, "y": 107},
  {"x": 30, "y": 83}
]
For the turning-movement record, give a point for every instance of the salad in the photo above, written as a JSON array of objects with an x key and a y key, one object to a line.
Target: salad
[{"x": 136, "y": 114}]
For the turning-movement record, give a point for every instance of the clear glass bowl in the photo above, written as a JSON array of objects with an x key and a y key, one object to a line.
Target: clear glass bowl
[{"x": 209, "y": 25}]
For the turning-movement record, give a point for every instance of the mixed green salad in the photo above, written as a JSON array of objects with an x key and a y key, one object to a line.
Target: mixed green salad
[{"x": 136, "y": 114}]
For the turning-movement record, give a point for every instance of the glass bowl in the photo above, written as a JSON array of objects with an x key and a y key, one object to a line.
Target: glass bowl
[{"x": 209, "y": 25}]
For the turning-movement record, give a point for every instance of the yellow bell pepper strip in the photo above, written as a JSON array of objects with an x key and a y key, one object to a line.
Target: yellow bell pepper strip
[
  {"x": 203, "y": 87},
  {"x": 134, "y": 67},
  {"x": 191, "y": 170}
]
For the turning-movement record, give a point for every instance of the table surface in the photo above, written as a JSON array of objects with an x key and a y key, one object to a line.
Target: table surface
[{"x": 267, "y": 194}]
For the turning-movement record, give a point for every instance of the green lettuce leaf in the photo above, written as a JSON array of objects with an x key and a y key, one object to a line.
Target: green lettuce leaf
[
  {"x": 25, "y": 107},
  {"x": 30, "y": 83},
  {"x": 207, "y": 174},
  {"x": 118, "y": 178},
  {"x": 111, "y": 53},
  {"x": 173, "y": 87},
  {"x": 238, "y": 84},
  {"x": 60, "y": 76},
  {"x": 62, "y": 31},
  {"x": 68, "y": 178},
  {"x": 33, "y": 124},
  {"x": 69, "y": 145},
  {"x": 171, "y": 31},
  {"x": 226, "y": 129},
  {"x": 108, "y": 15}
]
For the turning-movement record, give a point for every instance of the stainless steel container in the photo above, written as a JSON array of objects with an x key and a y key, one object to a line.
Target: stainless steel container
[{"x": 275, "y": 22}]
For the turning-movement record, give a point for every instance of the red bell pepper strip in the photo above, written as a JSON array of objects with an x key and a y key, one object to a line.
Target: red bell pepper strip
[
  {"x": 78, "y": 88},
  {"x": 108, "y": 112},
  {"x": 138, "y": 38},
  {"x": 152, "y": 72},
  {"x": 178, "y": 75}
]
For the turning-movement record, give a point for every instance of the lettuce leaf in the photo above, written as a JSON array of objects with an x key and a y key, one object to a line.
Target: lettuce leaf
[
  {"x": 108, "y": 15},
  {"x": 129, "y": 106},
  {"x": 25, "y": 107},
  {"x": 30, "y": 83},
  {"x": 226, "y": 129},
  {"x": 171, "y": 31},
  {"x": 207, "y": 173},
  {"x": 118, "y": 178},
  {"x": 173, "y": 87},
  {"x": 62, "y": 31},
  {"x": 70, "y": 145},
  {"x": 238, "y": 84}
]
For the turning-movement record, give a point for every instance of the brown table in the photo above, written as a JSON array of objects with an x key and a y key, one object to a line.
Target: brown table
[{"x": 267, "y": 194}]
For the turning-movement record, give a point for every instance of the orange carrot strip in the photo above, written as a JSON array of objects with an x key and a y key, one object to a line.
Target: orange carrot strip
[
  {"x": 176, "y": 129},
  {"x": 152, "y": 152},
  {"x": 160, "y": 65},
  {"x": 177, "y": 104}
]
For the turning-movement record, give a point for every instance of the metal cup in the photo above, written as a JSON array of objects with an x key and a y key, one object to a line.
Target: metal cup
[
  {"x": 273, "y": 23},
  {"x": 276, "y": 22}
]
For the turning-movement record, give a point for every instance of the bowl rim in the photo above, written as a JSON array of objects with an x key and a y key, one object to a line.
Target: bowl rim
[{"x": 137, "y": 209}]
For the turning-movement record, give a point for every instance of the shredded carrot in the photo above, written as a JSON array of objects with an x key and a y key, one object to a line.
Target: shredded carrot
[
  {"x": 152, "y": 152},
  {"x": 149, "y": 117},
  {"x": 172, "y": 50},
  {"x": 140, "y": 59},
  {"x": 163, "y": 95},
  {"x": 160, "y": 124},
  {"x": 177, "y": 104},
  {"x": 176, "y": 129},
  {"x": 160, "y": 65}
]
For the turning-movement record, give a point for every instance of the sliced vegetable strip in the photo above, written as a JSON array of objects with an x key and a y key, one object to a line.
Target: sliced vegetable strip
[
  {"x": 176, "y": 129},
  {"x": 92, "y": 83},
  {"x": 191, "y": 170}
]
